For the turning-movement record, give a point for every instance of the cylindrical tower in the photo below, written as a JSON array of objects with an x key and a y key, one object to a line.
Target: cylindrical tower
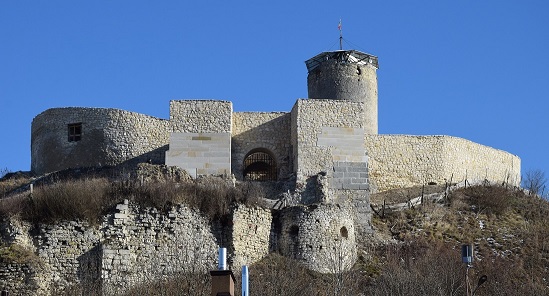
[{"x": 346, "y": 75}]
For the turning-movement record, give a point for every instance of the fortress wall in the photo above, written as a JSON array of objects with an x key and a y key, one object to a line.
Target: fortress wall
[
  {"x": 250, "y": 235},
  {"x": 322, "y": 237},
  {"x": 108, "y": 137},
  {"x": 200, "y": 153},
  {"x": 317, "y": 127},
  {"x": 145, "y": 244},
  {"x": 268, "y": 130},
  {"x": 467, "y": 159},
  {"x": 201, "y": 116},
  {"x": 70, "y": 252},
  {"x": 201, "y": 139},
  {"x": 397, "y": 161},
  {"x": 21, "y": 279}
]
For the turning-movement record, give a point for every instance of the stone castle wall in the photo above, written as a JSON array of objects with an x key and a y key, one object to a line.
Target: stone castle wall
[
  {"x": 316, "y": 127},
  {"x": 397, "y": 161},
  {"x": 266, "y": 132},
  {"x": 201, "y": 116},
  {"x": 143, "y": 245},
  {"x": 109, "y": 137},
  {"x": 316, "y": 136}
]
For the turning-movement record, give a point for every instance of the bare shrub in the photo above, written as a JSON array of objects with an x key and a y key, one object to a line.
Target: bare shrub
[
  {"x": 185, "y": 284},
  {"x": 277, "y": 275},
  {"x": 508, "y": 277},
  {"x": 83, "y": 199},
  {"x": 89, "y": 198},
  {"x": 212, "y": 196},
  {"x": 534, "y": 181},
  {"x": 158, "y": 195},
  {"x": 420, "y": 268},
  {"x": 11, "y": 181},
  {"x": 487, "y": 199},
  {"x": 16, "y": 254},
  {"x": 13, "y": 206}
]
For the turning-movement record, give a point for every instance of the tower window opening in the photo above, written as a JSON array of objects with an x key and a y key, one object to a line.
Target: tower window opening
[
  {"x": 343, "y": 232},
  {"x": 260, "y": 166},
  {"x": 75, "y": 132}
]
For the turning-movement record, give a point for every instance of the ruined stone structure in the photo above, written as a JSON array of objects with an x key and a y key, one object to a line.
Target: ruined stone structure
[
  {"x": 327, "y": 148},
  {"x": 135, "y": 245},
  {"x": 338, "y": 125}
]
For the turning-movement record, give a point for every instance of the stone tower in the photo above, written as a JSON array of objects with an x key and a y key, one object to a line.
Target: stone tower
[{"x": 346, "y": 75}]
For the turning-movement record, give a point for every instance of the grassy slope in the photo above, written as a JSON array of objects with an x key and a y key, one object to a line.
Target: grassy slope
[{"x": 414, "y": 252}]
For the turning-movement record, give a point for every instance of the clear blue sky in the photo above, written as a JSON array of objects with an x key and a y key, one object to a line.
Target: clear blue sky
[{"x": 472, "y": 69}]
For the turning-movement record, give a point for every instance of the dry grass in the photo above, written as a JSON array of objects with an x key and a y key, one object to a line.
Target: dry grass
[
  {"x": 404, "y": 194},
  {"x": 89, "y": 199},
  {"x": 12, "y": 181},
  {"x": 508, "y": 228}
]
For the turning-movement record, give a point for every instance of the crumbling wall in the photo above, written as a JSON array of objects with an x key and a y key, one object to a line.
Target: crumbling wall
[
  {"x": 143, "y": 245},
  {"x": 21, "y": 279},
  {"x": 69, "y": 252},
  {"x": 320, "y": 236},
  {"x": 251, "y": 229}
]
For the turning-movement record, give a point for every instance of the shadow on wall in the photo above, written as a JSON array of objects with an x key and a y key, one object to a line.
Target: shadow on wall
[
  {"x": 156, "y": 156},
  {"x": 272, "y": 136},
  {"x": 89, "y": 270}
]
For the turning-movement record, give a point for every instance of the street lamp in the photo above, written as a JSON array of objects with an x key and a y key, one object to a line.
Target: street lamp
[{"x": 467, "y": 257}]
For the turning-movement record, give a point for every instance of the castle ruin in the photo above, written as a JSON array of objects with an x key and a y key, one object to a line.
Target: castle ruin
[
  {"x": 336, "y": 127},
  {"x": 327, "y": 148}
]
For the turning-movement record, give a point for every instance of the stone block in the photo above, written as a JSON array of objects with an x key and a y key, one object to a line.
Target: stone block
[{"x": 120, "y": 216}]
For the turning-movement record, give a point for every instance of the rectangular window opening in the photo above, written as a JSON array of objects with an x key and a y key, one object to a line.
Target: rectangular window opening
[{"x": 75, "y": 132}]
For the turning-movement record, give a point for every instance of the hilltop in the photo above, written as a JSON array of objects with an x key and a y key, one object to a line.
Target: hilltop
[{"x": 415, "y": 251}]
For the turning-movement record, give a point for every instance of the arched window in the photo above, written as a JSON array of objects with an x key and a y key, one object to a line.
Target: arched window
[{"x": 259, "y": 165}]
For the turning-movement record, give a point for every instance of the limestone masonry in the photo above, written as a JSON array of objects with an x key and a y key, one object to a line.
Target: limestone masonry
[
  {"x": 337, "y": 124},
  {"x": 325, "y": 151}
]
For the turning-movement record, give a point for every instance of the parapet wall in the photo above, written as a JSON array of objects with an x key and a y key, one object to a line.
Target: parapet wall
[
  {"x": 201, "y": 116},
  {"x": 108, "y": 137},
  {"x": 397, "y": 161}
]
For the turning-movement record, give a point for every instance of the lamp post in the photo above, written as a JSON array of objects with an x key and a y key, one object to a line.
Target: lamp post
[{"x": 467, "y": 257}]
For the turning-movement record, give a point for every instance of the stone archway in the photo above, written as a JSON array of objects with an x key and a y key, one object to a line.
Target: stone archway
[{"x": 260, "y": 165}]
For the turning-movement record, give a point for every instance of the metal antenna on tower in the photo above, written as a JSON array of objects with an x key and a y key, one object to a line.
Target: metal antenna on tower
[{"x": 340, "y": 36}]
